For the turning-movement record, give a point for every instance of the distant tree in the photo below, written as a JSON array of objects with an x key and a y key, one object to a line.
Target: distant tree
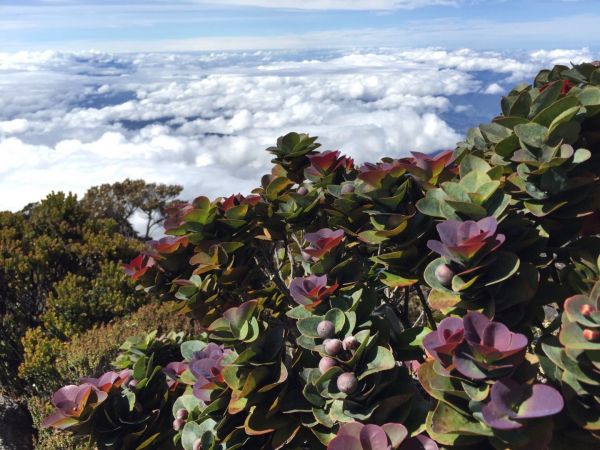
[{"x": 121, "y": 200}]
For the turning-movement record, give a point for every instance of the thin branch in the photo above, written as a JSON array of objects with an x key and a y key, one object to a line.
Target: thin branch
[{"x": 426, "y": 309}]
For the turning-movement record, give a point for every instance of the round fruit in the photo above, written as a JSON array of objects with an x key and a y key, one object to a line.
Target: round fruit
[
  {"x": 197, "y": 445},
  {"x": 326, "y": 363},
  {"x": 444, "y": 274},
  {"x": 302, "y": 190},
  {"x": 178, "y": 424},
  {"x": 586, "y": 310},
  {"x": 347, "y": 383},
  {"x": 332, "y": 346},
  {"x": 350, "y": 343},
  {"x": 181, "y": 414},
  {"x": 325, "y": 329},
  {"x": 591, "y": 335},
  {"x": 347, "y": 189}
]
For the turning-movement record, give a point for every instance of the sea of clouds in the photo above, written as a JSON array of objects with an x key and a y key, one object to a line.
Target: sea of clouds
[{"x": 69, "y": 121}]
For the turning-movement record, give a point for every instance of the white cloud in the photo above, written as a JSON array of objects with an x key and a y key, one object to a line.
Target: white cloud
[
  {"x": 14, "y": 126},
  {"x": 72, "y": 120},
  {"x": 494, "y": 89}
]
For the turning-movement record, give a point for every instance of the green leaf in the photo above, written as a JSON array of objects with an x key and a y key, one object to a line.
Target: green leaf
[
  {"x": 531, "y": 134},
  {"x": 471, "y": 163},
  {"x": 193, "y": 431},
  {"x": 377, "y": 359},
  {"x": 549, "y": 114},
  {"x": 308, "y": 326},
  {"x": 189, "y": 347}
]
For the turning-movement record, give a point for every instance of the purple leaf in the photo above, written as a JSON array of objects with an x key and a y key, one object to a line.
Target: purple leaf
[{"x": 372, "y": 437}]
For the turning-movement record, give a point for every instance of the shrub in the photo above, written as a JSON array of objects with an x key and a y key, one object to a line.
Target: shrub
[
  {"x": 39, "y": 246},
  {"x": 304, "y": 292},
  {"x": 49, "y": 362},
  {"x": 77, "y": 303}
]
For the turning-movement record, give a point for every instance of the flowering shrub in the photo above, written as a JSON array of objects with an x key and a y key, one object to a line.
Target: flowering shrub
[{"x": 426, "y": 302}]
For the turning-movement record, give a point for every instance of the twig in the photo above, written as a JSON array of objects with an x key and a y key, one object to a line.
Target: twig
[{"x": 426, "y": 309}]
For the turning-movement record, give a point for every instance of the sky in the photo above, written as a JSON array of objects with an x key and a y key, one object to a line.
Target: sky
[
  {"x": 192, "y": 25},
  {"x": 192, "y": 92}
]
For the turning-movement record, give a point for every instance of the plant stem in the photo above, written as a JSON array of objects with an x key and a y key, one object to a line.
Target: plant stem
[{"x": 426, "y": 309}]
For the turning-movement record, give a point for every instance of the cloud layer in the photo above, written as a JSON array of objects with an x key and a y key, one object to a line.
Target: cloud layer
[{"x": 72, "y": 120}]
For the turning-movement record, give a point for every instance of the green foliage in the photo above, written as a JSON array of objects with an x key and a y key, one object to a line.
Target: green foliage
[
  {"x": 110, "y": 294},
  {"x": 39, "y": 247},
  {"x": 305, "y": 291},
  {"x": 49, "y": 362}
]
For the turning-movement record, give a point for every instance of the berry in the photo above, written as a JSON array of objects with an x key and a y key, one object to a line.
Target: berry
[
  {"x": 197, "y": 445},
  {"x": 591, "y": 335},
  {"x": 178, "y": 424},
  {"x": 302, "y": 190},
  {"x": 332, "y": 346},
  {"x": 444, "y": 274},
  {"x": 181, "y": 414},
  {"x": 586, "y": 310},
  {"x": 350, "y": 343},
  {"x": 347, "y": 383},
  {"x": 325, "y": 329},
  {"x": 326, "y": 363}
]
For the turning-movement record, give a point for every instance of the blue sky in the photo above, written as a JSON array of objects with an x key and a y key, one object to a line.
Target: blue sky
[{"x": 189, "y": 25}]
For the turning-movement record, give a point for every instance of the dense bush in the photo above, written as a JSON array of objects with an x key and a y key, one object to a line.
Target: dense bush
[
  {"x": 303, "y": 290},
  {"x": 59, "y": 267},
  {"x": 39, "y": 247},
  {"x": 49, "y": 362}
]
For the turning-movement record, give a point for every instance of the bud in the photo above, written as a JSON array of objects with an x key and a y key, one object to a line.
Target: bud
[
  {"x": 347, "y": 383},
  {"x": 326, "y": 363},
  {"x": 197, "y": 445},
  {"x": 347, "y": 188},
  {"x": 586, "y": 310},
  {"x": 591, "y": 335},
  {"x": 326, "y": 329},
  {"x": 350, "y": 343},
  {"x": 332, "y": 346},
  {"x": 302, "y": 190},
  {"x": 181, "y": 414},
  {"x": 178, "y": 424},
  {"x": 444, "y": 274}
]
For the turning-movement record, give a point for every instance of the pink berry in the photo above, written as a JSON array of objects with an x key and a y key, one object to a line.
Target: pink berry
[
  {"x": 350, "y": 343},
  {"x": 586, "y": 310},
  {"x": 591, "y": 335},
  {"x": 181, "y": 414},
  {"x": 302, "y": 190},
  {"x": 197, "y": 445},
  {"x": 347, "y": 383},
  {"x": 326, "y": 329},
  {"x": 178, "y": 424},
  {"x": 326, "y": 363},
  {"x": 444, "y": 274},
  {"x": 332, "y": 346}
]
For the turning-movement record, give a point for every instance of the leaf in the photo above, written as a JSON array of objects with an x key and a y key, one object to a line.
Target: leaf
[
  {"x": 531, "y": 134},
  {"x": 377, "y": 359},
  {"x": 446, "y": 419},
  {"x": 189, "y": 347},
  {"x": 549, "y": 114},
  {"x": 308, "y": 326},
  {"x": 471, "y": 163},
  {"x": 193, "y": 431},
  {"x": 394, "y": 281}
]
